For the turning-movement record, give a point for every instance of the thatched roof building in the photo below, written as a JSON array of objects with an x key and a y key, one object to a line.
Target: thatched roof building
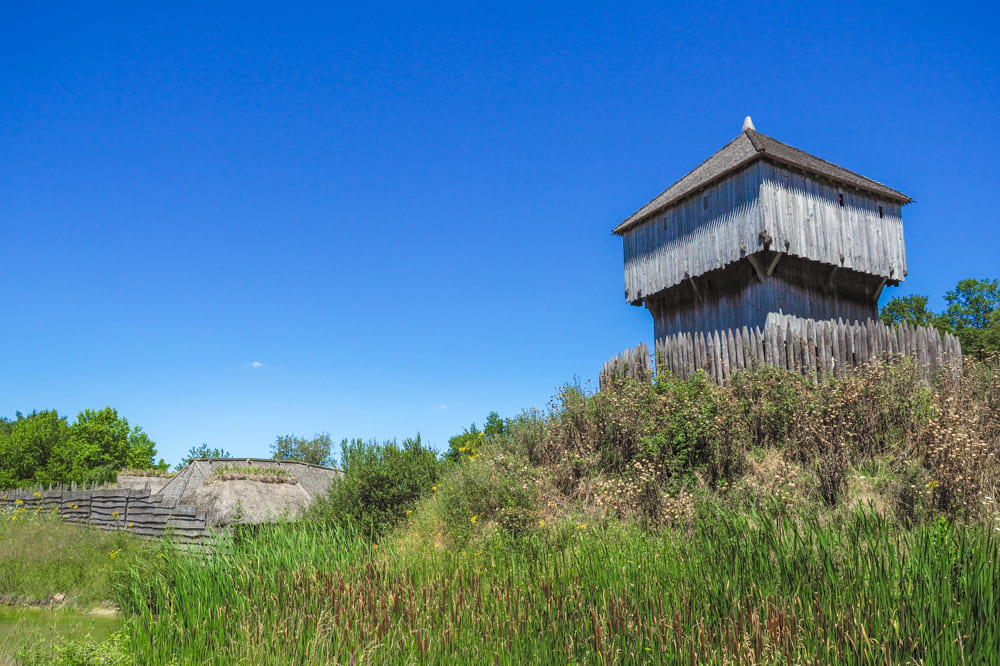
[{"x": 249, "y": 490}]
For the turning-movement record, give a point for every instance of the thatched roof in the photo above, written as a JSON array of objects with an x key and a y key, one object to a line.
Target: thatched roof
[
  {"x": 742, "y": 151},
  {"x": 246, "y": 501}
]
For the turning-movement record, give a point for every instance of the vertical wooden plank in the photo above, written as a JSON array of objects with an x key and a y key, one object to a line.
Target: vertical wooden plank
[
  {"x": 847, "y": 347},
  {"x": 856, "y": 345},
  {"x": 776, "y": 350},
  {"x": 727, "y": 365},
  {"x": 822, "y": 351},
  {"x": 925, "y": 352},
  {"x": 716, "y": 358},
  {"x": 687, "y": 358},
  {"x": 689, "y": 361},
  {"x": 863, "y": 344},
  {"x": 785, "y": 348},
  {"x": 699, "y": 350},
  {"x": 742, "y": 341},
  {"x": 731, "y": 345},
  {"x": 870, "y": 340},
  {"x": 812, "y": 350},
  {"x": 828, "y": 340},
  {"x": 675, "y": 354},
  {"x": 749, "y": 348},
  {"x": 794, "y": 349},
  {"x": 710, "y": 364},
  {"x": 682, "y": 355},
  {"x": 758, "y": 345}
]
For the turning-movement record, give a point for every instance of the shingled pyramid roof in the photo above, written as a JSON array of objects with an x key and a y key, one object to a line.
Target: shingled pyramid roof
[{"x": 745, "y": 149}]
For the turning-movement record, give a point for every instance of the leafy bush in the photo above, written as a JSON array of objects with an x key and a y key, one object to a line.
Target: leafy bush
[
  {"x": 470, "y": 442},
  {"x": 494, "y": 489},
  {"x": 770, "y": 401},
  {"x": 112, "y": 652},
  {"x": 380, "y": 483}
]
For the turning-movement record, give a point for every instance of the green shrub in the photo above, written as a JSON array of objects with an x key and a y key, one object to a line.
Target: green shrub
[
  {"x": 112, "y": 652},
  {"x": 471, "y": 441},
  {"x": 698, "y": 428},
  {"x": 770, "y": 401},
  {"x": 380, "y": 483},
  {"x": 492, "y": 489}
]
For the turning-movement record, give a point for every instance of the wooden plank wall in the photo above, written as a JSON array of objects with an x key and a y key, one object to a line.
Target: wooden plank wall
[
  {"x": 806, "y": 214},
  {"x": 133, "y": 510},
  {"x": 709, "y": 231},
  {"x": 752, "y": 305},
  {"x": 729, "y": 220},
  {"x": 805, "y": 346}
]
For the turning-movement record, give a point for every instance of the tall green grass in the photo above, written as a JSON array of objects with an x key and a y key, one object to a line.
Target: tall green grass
[
  {"x": 736, "y": 589},
  {"x": 42, "y": 556}
]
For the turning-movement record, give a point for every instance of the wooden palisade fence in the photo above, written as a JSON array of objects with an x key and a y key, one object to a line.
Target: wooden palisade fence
[
  {"x": 138, "y": 511},
  {"x": 805, "y": 346}
]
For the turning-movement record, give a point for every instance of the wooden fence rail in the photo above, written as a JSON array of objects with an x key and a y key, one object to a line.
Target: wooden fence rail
[{"x": 805, "y": 346}]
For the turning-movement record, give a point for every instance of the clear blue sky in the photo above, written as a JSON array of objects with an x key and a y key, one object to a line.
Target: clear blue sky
[{"x": 232, "y": 222}]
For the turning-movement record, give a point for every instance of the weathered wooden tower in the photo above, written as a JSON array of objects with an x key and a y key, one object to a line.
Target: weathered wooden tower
[{"x": 761, "y": 227}]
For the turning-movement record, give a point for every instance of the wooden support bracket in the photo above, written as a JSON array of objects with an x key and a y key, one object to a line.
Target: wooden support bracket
[
  {"x": 774, "y": 263},
  {"x": 828, "y": 287},
  {"x": 756, "y": 267},
  {"x": 878, "y": 290},
  {"x": 697, "y": 292}
]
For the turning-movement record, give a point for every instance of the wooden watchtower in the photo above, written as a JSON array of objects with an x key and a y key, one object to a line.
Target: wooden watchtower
[{"x": 761, "y": 227}]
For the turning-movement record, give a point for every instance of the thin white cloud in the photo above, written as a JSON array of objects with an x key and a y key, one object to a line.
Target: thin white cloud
[
  {"x": 256, "y": 365},
  {"x": 442, "y": 406}
]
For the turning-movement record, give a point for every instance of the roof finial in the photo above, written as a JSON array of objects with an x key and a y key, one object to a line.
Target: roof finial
[{"x": 748, "y": 125}]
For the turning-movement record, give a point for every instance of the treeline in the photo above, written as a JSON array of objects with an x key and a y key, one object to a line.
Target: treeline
[
  {"x": 44, "y": 447},
  {"x": 973, "y": 314}
]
